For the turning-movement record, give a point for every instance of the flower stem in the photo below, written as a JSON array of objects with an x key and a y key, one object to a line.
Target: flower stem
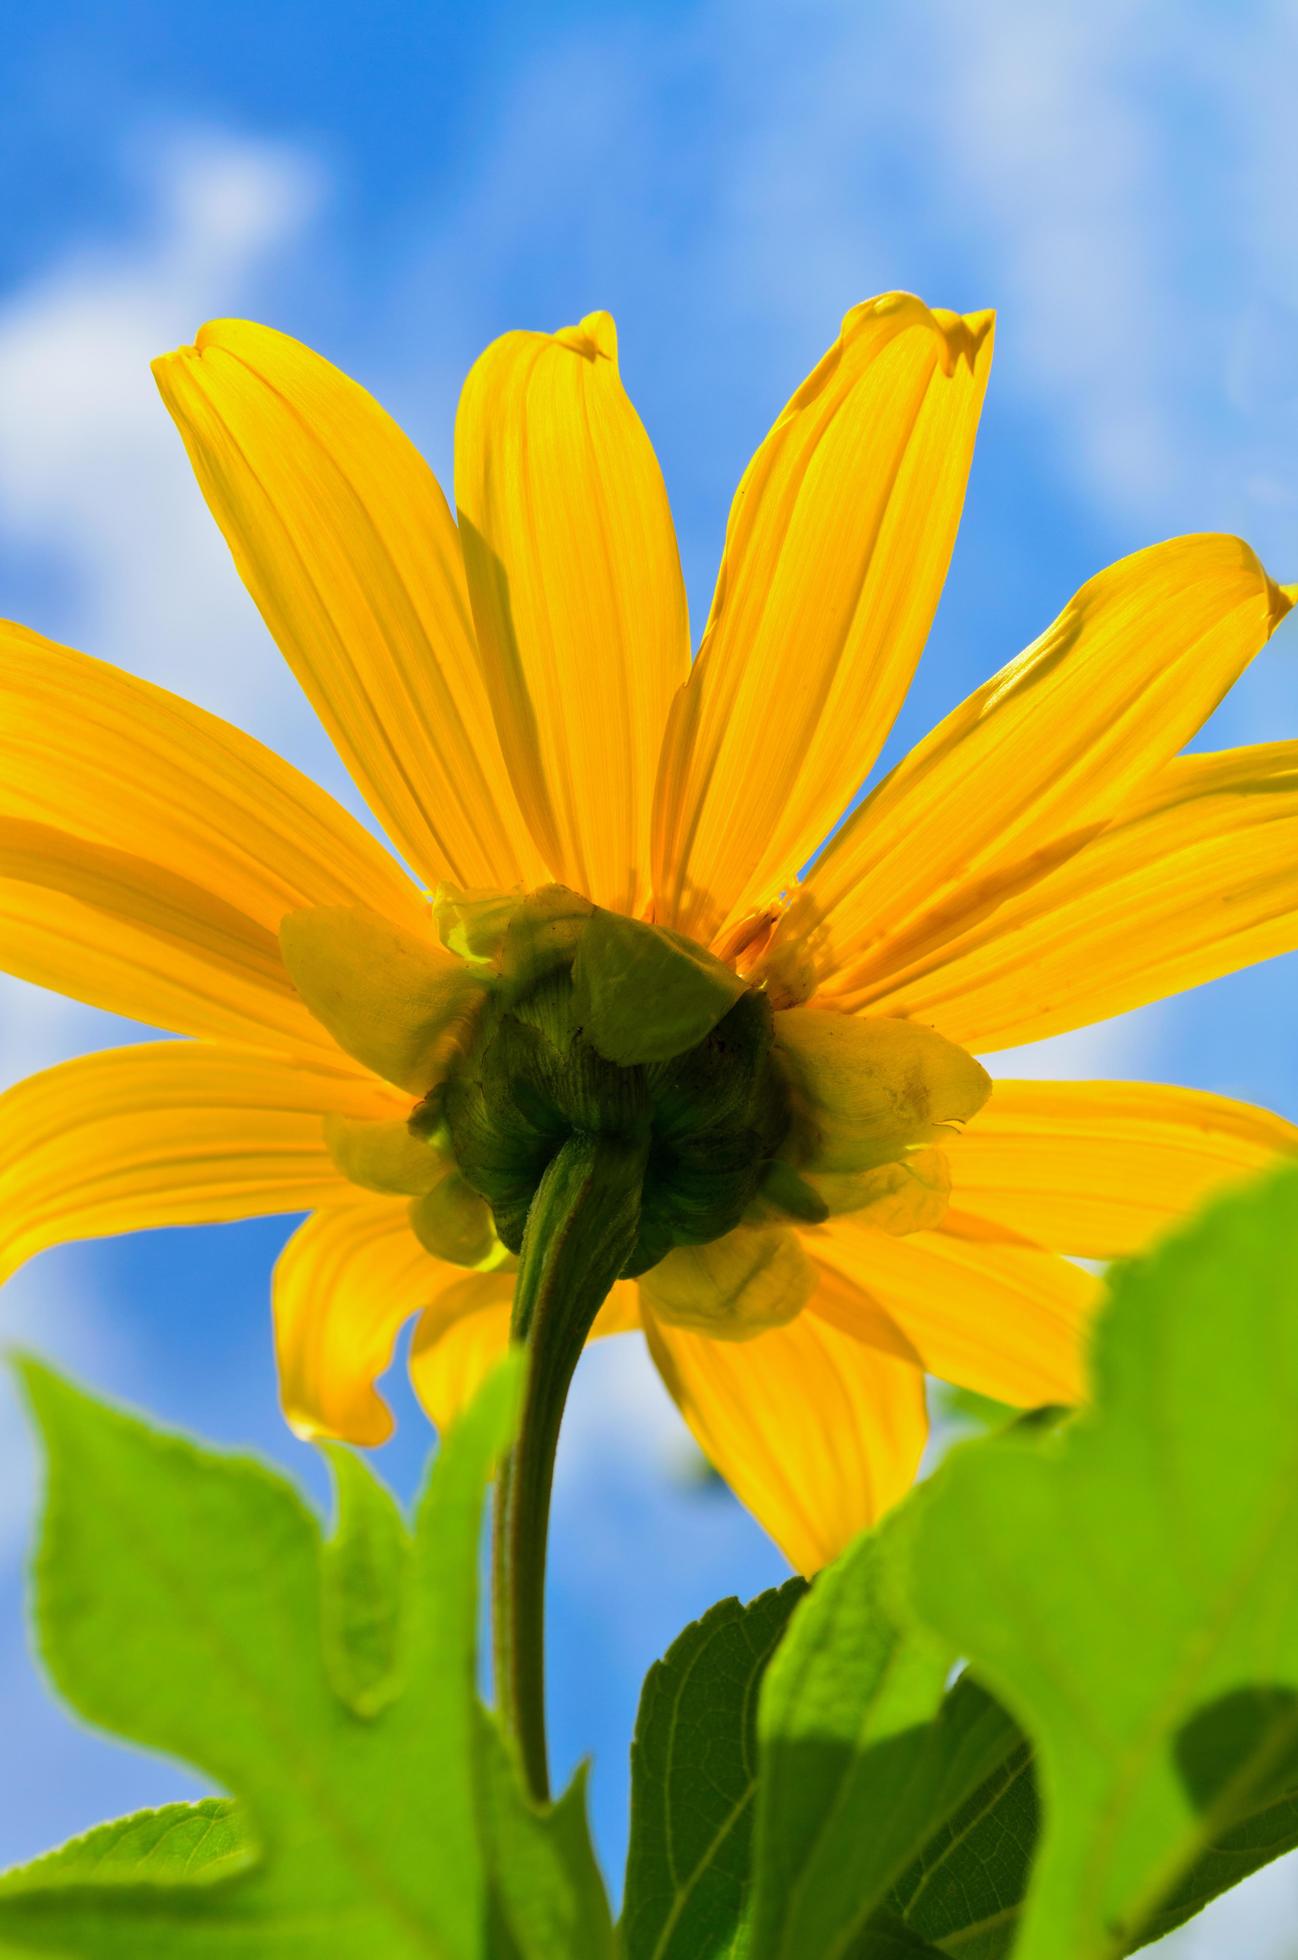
[{"x": 581, "y": 1229}]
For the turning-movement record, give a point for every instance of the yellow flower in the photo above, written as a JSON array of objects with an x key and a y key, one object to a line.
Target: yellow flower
[{"x": 515, "y": 700}]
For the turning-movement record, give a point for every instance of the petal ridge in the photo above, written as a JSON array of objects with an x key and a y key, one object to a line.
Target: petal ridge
[
  {"x": 169, "y": 1133},
  {"x": 343, "y": 538},
  {"x": 577, "y": 595},
  {"x": 836, "y": 549},
  {"x": 1045, "y": 753}
]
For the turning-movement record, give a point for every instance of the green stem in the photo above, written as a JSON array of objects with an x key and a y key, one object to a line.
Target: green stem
[{"x": 581, "y": 1228}]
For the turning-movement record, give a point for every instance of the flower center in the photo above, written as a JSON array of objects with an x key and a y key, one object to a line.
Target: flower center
[
  {"x": 708, "y": 1119},
  {"x": 547, "y": 1021}
]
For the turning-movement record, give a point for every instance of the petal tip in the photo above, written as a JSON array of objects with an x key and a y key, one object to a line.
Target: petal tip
[
  {"x": 226, "y": 331},
  {"x": 365, "y": 1428},
  {"x": 223, "y": 335},
  {"x": 967, "y": 337},
  {"x": 595, "y": 337},
  {"x": 163, "y": 367},
  {"x": 964, "y": 337}
]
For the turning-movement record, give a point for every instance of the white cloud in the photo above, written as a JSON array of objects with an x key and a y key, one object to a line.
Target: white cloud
[
  {"x": 97, "y": 501},
  {"x": 94, "y": 484},
  {"x": 622, "y": 1397},
  {"x": 1113, "y": 180},
  {"x": 1144, "y": 301}
]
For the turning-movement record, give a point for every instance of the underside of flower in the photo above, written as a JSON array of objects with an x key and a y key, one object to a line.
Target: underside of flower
[
  {"x": 552, "y": 1060},
  {"x": 543, "y": 1018},
  {"x": 707, "y": 1121}
]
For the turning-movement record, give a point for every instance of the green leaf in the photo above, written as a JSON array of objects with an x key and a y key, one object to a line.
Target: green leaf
[
  {"x": 968, "y": 1885},
  {"x": 365, "y": 1574},
  {"x": 886, "y": 1938},
  {"x": 692, "y": 1773},
  {"x": 1267, "y": 1834},
  {"x": 643, "y": 994},
  {"x": 863, "y": 1754},
  {"x": 1126, "y": 1584},
  {"x": 547, "y": 1895},
  {"x": 189, "y": 1841},
  {"x": 185, "y": 1602},
  {"x": 970, "y": 1412}
]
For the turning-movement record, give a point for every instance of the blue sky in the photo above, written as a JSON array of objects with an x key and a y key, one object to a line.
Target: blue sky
[{"x": 396, "y": 184}]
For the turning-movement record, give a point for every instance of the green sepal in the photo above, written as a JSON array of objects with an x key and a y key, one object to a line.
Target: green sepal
[
  {"x": 864, "y": 1089},
  {"x": 504, "y": 1161},
  {"x": 909, "y": 1194},
  {"x": 472, "y": 923},
  {"x": 392, "y": 1157},
  {"x": 533, "y": 1084},
  {"x": 719, "y": 1113},
  {"x": 786, "y": 1194},
  {"x": 453, "y": 1222},
  {"x": 644, "y": 994},
  {"x": 756, "y": 1277},
  {"x": 523, "y": 936},
  {"x": 394, "y": 1001},
  {"x": 542, "y": 938}
]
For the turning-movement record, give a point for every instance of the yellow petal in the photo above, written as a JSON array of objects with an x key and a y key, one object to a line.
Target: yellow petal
[
  {"x": 836, "y": 550},
  {"x": 1096, "y": 1169},
  {"x": 1009, "y": 1321},
  {"x": 136, "y": 939},
  {"x": 92, "y": 750},
  {"x": 342, "y": 536},
  {"x": 1030, "y": 767},
  {"x": 392, "y": 999},
  {"x": 459, "y": 1340},
  {"x": 148, "y": 851},
  {"x": 864, "y": 1089},
  {"x": 577, "y": 595},
  {"x": 344, "y": 1286},
  {"x": 620, "y": 1313},
  {"x": 815, "y": 1431},
  {"x": 1196, "y": 877},
  {"x": 168, "y": 1133}
]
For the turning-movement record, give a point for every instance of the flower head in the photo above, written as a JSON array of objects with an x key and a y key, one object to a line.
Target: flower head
[{"x": 607, "y": 924}]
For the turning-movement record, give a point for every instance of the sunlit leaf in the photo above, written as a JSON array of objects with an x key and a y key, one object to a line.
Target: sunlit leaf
[
  {"x": 184, "y": 1601},
  {"x": 1127, "y": 1584},
  {"x": 863, "y": 1755},
  {"x": 180, "y": 1841},
  {"x": 365, "y": 1572}
]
